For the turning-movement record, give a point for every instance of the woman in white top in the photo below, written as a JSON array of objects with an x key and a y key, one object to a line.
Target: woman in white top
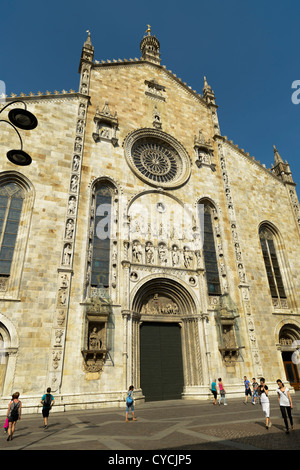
[
  {"x": 285, "y": 403},
  {"x": 263, "y": 393}
]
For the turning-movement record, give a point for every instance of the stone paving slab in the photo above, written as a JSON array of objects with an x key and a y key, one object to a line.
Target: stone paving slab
[{"x": 175, "y": 426}]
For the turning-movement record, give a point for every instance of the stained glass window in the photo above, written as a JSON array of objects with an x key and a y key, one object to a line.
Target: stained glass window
[
  {"x": 11, "y": 202},
  {"x": 209, "y": 253},
  {"x": 271, "y": 263},
  {"x": 102, "y": 231}
]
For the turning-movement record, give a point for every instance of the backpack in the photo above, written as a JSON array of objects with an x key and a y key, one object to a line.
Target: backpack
[
  {"x": 14, "y": 411},
  {"x": 47, "y": 400},
  {"x": 129, "y": 399}
]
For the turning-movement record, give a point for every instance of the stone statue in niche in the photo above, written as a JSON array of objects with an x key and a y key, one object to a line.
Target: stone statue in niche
[
  {"x": 149, "y": 250},
  {"x": 198, "y": 258},
  {"x": 157, "y": 119},
  {"x": 72, "y": 205},
  {"x": 94, "y": 340},
  {"x": 76, "y": 162},
  {"x": 85, "y": 75},
  {"x": 162, "y": 253},
  {"x": 67, "y": 254},
  {"x": 241, "y": 273},
  {"x": 78, "y": 145},
  {"x": 70, "y": 228},
  {"x": 104, "y": 132},
  {"x": 228, "y": 337},
  {"x": 106, "y": 125},
  {"x": 84, "y": 88},
  {"x": 136, "y": 252},
  {"x": 74, "y": 183},
  {"x": 62, "y": 297},
  {"x": 81, "y": 111},
  {"x": 175, "y": 255},
  {"x": 203, "y": 157},
  {"x": 80, "y": 126},
  {"x": 188, "y": 257}
]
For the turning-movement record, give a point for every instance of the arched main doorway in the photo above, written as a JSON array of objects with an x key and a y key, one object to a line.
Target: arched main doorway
[
  {"x": 169, "y": 358},
  {"x": 161, "y": 365},
  {"x": 289, "y": 339}
]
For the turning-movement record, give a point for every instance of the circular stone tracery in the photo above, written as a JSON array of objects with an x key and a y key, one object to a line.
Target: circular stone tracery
[
  {"x": 155, "y": 161},
  {"x": 157, "y": 158}
]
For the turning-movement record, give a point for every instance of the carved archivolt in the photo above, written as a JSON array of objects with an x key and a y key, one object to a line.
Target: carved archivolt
[{"x": 164, "y": 295}]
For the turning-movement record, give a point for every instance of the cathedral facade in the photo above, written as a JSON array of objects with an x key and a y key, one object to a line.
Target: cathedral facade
[{"x": 141, "y": 246}]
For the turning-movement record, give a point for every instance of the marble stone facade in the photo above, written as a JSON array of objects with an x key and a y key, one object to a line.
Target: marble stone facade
[{"x": 59, "y": 330}]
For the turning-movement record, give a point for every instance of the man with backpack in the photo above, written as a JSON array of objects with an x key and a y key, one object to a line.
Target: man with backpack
[{"x": 47, "y": 402}]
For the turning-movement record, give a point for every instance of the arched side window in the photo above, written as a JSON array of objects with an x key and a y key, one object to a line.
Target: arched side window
[
  {"x": 209, "y": 251},
  {"x": 102, "y": 236},
  {"x": 11, "y": 203},
  {"x": 17, "y": 196},
  {"x": 268, "y": 246}
]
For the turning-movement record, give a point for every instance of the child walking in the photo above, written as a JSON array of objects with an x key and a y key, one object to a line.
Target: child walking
[{"x": 130, "y": 403}]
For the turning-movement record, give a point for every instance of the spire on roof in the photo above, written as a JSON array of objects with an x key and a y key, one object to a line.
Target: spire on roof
[
  {"x": 87, "y": 53},
  {"x": 88, "y": 42},
  {"x": 208, "y": 94},
  {"x": 277, "y": 157},
  {"x": 281, "y": 168},
  {"x": 150, "y": 47}
]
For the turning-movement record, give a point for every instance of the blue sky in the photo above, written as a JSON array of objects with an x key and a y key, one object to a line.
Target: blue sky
[{"x": 247, "y": 49}]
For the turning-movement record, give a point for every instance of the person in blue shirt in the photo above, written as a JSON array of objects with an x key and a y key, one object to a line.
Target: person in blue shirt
[
  {"x": 130, "y": 403},
  {"x": 214, "y": 391},
  {"x": 47, "y": 402},
  {"x": 247, "y": 389}
]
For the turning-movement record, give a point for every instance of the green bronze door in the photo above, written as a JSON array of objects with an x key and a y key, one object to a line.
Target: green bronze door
[{"x": 161, "y": 361}]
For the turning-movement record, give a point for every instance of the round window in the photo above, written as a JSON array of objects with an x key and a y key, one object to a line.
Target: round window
[{"x": 157, "y": 158}]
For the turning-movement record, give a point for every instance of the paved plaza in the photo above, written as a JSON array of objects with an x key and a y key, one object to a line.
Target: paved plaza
[{"x": 161, "y": 426}]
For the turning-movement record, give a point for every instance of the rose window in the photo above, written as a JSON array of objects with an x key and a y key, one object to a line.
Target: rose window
[
  {"x": 155, "y": 161},
  {"x": 158, "y": 159}
]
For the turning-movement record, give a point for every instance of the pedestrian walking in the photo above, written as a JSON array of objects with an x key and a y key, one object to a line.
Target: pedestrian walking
[
  {"x": 263, "y": 393},
  {"x": 222, "y": 392},
  {"x": 286, "y": 404},
  {"x": 255, "y": 391},
  {"x": 213, "y": 390},
  {"x": 13, "y": 414},
  {"x": 47, "y": 402},
  {"x": 130, "y": 403},
  {"x": 247, "y": 389}
]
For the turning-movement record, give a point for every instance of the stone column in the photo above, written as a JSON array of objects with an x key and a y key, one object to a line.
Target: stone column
[
  {"x": 65, "y": 269},
  {"x": 193, "y": 367},
  {"x": 243, "y": 286}
]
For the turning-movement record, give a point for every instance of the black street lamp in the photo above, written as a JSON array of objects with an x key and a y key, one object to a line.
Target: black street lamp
[{"x": 23, "y": 119}]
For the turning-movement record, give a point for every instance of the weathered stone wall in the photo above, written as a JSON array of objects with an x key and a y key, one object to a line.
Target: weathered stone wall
[{"x": 256, "y": 196}]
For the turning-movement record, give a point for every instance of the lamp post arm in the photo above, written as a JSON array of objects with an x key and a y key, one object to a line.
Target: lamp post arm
[
  {"x": 12, "y": 102},
  {"x": 3, "y": 120}
]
